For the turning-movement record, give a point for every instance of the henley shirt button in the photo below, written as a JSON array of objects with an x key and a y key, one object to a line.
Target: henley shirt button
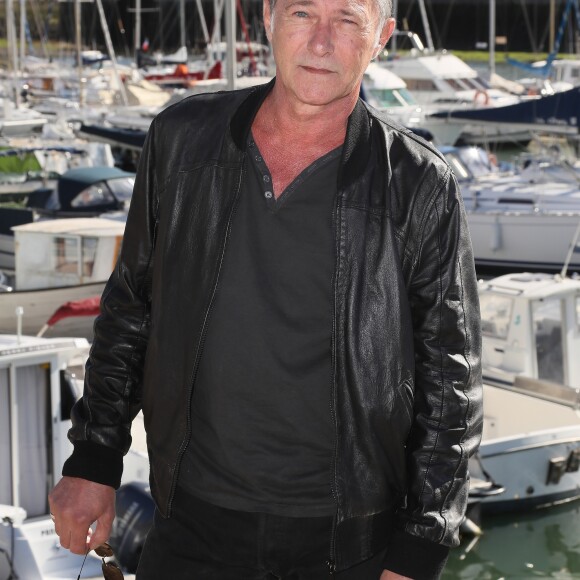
[
  {"x": 268, "y": 195},
  {"x": 266, "y": 178}
]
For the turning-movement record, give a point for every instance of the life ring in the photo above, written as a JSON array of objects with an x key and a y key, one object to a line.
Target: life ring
[{"x": 477, "y": 97}]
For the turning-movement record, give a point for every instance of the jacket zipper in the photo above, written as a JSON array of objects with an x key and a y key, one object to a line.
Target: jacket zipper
[
  {"x": 185, "y": 442},
  {"x": 331, "y": 563}
]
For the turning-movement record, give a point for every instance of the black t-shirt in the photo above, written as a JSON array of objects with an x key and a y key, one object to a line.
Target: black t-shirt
[{"x": 262, "y": 432}]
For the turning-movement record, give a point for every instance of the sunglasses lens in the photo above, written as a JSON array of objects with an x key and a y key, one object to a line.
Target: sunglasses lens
[
  {"x": 104, "y": 551},
  {"x": 112, "y": 571}
]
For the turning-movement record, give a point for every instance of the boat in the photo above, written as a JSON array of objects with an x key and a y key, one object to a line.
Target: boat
[
  {"x": 387, "y": 92},
  {"x": 531, "y": 377},
  {"x": 40, "y": 379},
  {"x": 554, "y": 114},
  {"x": 511, "y": 213},
  {"x": 79, "y": 192},
  {"x": 19, "y": 120},
  {"x": 57, "y": 261}
]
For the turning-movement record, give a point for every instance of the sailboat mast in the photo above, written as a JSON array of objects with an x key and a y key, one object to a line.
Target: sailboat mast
[
  {"x": 491, "y": 37},
  {"x": 22, "y": 30},
  {"x": 137, "y": 39},
  {"x": 12, "y": 49},
  {"x": 79, "y": 50},
  {"x": 231, "y": 60},
  {"x": 426, "y": 26},
  {"x": 111, "y": 50},
  {"x": 182, "y": 22}
]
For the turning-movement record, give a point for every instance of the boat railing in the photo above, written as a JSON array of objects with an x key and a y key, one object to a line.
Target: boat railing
[{"x": 541, "y": 389}]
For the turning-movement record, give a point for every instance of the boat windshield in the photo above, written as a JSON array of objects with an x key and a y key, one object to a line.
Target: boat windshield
[
  {"x": 389, "y": 98},
  {"x": 496, "y": 313},
  {"x": 470, "y": 162},
  {"x": 122, "y": 188},
  {"x": 477, "y": 159},
  {"x": 102, "y": 193}
]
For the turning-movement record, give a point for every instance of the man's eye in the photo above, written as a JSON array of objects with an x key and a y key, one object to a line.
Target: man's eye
[{"x": 300, "y": 14}]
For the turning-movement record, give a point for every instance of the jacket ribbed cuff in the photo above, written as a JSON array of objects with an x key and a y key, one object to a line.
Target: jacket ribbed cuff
[
  {"x": 95, "y": 462},
  {"x": 415, "y": 557}
]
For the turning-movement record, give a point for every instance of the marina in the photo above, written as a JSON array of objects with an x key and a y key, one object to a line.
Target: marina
[{"x": 72, "y": 127}]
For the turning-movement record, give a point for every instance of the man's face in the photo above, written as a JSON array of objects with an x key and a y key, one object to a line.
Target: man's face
[{"x": 322, "y": 47}]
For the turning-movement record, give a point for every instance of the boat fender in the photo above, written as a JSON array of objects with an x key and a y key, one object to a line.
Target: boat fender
[
  {"x": 135, "y": 508},
  {"x": 481, "y": 97},
  {"x": 470, "y": 528}
]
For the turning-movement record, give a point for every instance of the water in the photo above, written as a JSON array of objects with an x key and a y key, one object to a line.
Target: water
[{"x": 540, "y": 544}]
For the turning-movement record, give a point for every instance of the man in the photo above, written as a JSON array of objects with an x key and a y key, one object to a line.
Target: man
[{"x": 295, "y": 310}]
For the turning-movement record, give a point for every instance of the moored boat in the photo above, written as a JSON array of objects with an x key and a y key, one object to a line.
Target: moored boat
[{"x": 531, "y": 438}]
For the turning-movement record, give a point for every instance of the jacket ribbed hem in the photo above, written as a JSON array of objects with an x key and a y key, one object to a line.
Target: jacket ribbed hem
[
  {"x": 95, "y": 462},
  {"x": 415, "y": 557}
]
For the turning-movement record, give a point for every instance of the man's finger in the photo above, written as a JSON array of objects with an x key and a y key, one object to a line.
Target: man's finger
[
  {"x": 102, "y": 531},
  {"x": 78, "y": 542}
]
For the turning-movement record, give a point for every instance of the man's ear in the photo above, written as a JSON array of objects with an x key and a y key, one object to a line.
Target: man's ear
[
  {"x": 386, "y": 33},
  {"x": 267, "y": 11}
]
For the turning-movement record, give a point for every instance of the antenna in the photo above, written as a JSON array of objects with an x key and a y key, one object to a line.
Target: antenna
[{"x": 571, "y": 249}]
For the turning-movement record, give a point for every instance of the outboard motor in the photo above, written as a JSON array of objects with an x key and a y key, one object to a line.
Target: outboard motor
[{"x": 135, "y": 508}]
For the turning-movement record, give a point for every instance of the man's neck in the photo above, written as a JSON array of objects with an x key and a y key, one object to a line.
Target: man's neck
[
  {"x": 291, "y": 136},
  {"x": 304, "y": 123}
]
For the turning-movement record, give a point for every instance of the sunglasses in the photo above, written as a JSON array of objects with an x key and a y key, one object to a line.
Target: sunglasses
[{"x": 110, "y": 570}]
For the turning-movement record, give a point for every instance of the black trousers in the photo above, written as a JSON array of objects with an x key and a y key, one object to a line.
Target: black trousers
[{"x": 205, "y": 542}]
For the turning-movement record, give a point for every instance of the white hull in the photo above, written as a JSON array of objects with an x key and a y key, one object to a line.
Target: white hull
[
  {"x": 522, "y": 434},
  {"x": 530, "y": 241},
  {"x": 38, "y": 555},
  {"x": 39, "y": 305}
]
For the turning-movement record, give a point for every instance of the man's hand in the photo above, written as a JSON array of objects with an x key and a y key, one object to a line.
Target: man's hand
[
  {"x": 388, "y": 575},
  {"x": 75, "y": 504}
]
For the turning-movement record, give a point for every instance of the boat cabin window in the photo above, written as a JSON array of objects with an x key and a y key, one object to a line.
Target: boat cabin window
[
  {"x": 455, "y": 84},
  {"x": 496, "y": 313},
  {"x": 97, "y": 194},
  {"x": 383, "y": 98},
  {"x": 75, "y": 255},
  {"x": 548, "y": 333},
  {"x": 420, "y": 85},
  {"x": 30, "y": 426}
]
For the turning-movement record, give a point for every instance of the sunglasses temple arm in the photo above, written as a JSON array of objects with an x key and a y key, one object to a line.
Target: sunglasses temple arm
[{"x": 82, "y": 565}]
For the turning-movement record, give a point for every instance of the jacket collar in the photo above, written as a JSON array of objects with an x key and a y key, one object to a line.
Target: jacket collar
[{"x": 357, "y": 143}]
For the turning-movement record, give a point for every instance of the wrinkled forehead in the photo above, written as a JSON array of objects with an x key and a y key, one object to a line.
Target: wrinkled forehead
[{"x": 366, "y": 7}]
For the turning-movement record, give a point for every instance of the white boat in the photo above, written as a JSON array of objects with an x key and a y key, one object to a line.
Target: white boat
[
  {"x": 444, "y": 79},
  {"x": 531, "y": 437},
  {"x": 386, "y": 91},
  {"x": 522, "y": 219},
  {"x": 449, "y": 85},
  {"x": 58, "y": 261},
  {"x": 19, "y": 120},
  {"x": 37, "y": 390}
]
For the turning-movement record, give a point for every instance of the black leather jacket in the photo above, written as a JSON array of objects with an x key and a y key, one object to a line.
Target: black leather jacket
[{"x": 406, "y": 338}]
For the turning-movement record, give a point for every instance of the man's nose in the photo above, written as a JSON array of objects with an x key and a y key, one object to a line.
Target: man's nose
[{"x": 321, "y": 40}]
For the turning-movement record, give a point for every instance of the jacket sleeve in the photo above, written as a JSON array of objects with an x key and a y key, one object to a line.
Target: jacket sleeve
[
  {"x": 101, "y": 419},
  {"x": 448, "y": 392}
]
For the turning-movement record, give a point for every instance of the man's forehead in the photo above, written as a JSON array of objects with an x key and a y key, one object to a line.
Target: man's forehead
[{"x": 342, "y": 5}]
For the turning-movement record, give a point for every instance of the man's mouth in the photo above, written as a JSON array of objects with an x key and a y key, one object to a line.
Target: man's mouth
[{"x": 316, "y": 70}]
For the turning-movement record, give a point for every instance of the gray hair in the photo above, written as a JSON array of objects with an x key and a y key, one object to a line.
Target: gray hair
[{"x": 385, "y": 9}]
